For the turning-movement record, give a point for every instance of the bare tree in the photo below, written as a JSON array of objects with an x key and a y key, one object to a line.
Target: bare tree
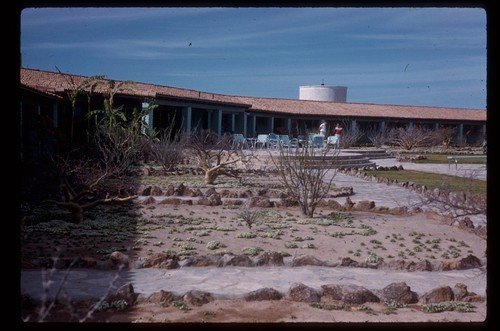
[
  {"x": 82, "y": 188},
  {"x": 215, "y": 156},
  {"x": 304, "y": 172}
]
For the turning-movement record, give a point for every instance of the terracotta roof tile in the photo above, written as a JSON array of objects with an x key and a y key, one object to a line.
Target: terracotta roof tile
[{"x": 54, "y": 82}]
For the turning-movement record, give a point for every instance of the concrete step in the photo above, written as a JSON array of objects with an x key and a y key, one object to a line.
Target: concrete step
[
  {"x": 371, "y": 153},
  {"x": 342, "y": 161}
]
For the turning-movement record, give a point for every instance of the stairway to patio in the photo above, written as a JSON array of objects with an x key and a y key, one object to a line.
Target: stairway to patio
[{"x": 348, "y": 159}]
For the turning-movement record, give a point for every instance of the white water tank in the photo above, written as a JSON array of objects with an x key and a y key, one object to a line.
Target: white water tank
[{"x": 323, "y": 93}]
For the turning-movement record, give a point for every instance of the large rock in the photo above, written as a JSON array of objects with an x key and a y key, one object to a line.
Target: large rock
[
  {"x": 439, "y": 294},
  {"x": 399, "y": 292},
  {"x": 352, "y": 294},
  {"x": 302, "y": 293}
]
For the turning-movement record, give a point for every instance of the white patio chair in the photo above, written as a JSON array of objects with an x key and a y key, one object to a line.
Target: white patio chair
[
  {"x": 332, "y": 141},
  {"x": 261, "y": 141}
]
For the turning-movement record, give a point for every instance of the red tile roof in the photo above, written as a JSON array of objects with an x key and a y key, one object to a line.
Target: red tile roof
[
  {"x": 54, "y": 82},
  {"x": 325, "y": 108}
]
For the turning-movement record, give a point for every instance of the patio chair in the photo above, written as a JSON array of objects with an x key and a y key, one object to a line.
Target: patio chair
[
  {"x": 261, "y": 141},
  {"x": 318, "y": 140},
  {"x": 332, "y": 141},
  {"x": 239, "y": 141},
  {"x": 284, "y": 140},
  {"x": 294, "y": 143},
  {"x": 273, "y": 140}
]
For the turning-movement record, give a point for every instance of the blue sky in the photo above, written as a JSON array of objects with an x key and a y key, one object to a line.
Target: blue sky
[{"x": 403, "y": 56}]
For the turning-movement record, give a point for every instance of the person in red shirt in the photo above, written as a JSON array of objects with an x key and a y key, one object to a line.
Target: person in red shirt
[{"x": 338, "y": 132}]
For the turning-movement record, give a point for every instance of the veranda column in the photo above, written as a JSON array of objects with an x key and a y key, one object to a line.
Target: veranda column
[
  {"x": 253, "y": 125},
  {"x": 216, "y": 122},
  {"x": 270, "y": 124},
  {"x": 187, "y": 117},
  {"x": 460, "y": 134},
  {"x": 288, "y": 127}
]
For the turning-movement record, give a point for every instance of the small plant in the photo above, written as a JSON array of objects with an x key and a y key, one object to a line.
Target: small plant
[
  {"x": 252, "y": 251},
  {"x": 250, "y": 216},
  {"x": 373, "y": 258},
  {"x": 215, "y": 244},
  {"x": 181, "y": 304},
  {"x": 247, "y": 235},
  {"x": 392, "y": 305},
  {"x": 464, "y": 307}
]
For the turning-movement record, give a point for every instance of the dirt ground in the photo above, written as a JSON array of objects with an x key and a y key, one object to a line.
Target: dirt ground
[{"x": 141, "y": 230}]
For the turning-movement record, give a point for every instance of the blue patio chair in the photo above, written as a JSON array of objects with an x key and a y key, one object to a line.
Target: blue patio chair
[
  {"x": 318, "y": 140},
  {"x": 284, "y": 140},
  {"x": 273, "y": 140},
  {"x": 239, "y": 141}
]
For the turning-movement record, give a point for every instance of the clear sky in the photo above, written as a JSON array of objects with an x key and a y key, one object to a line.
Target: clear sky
[{"x": 403, "y": 56}]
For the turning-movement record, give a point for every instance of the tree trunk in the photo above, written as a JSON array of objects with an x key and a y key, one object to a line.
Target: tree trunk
[{"x": 210, "y": 176}]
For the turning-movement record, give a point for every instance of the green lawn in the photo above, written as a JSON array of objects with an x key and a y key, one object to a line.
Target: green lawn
[
  {"x": 443, "y": 158},
  {"x": 451, "y": 183}
]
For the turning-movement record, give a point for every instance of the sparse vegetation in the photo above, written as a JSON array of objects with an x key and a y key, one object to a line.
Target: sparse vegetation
[
  {"x": 307, "y": 173},
  {"x": 184, "y": 230}
]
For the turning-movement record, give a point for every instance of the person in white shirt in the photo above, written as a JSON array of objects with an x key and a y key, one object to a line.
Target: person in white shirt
[{"x": 322, "y": 128}]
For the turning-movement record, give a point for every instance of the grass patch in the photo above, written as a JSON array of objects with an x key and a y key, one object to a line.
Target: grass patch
[
  {"x": 431, "y": 181},
  {"x": 443, "y": 158}
]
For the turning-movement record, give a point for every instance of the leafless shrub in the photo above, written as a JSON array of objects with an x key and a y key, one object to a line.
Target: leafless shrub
[
  {"x": 119, "y": 147},
  {"x": 304, "y": 172},
  {"x": 214, "y": 156},
  {"x": 169, "y": 149},
  {"x": 455, "y": 204},
  {"x": 377, "y": 138},
  {"x": 350, "y": 137},
  {"x": 445, "y": 136},
  {"x": 411, "y": 137}
]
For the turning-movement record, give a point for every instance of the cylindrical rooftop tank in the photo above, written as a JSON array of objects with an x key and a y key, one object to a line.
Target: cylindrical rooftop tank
[{"x": 323, "y": 93}]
